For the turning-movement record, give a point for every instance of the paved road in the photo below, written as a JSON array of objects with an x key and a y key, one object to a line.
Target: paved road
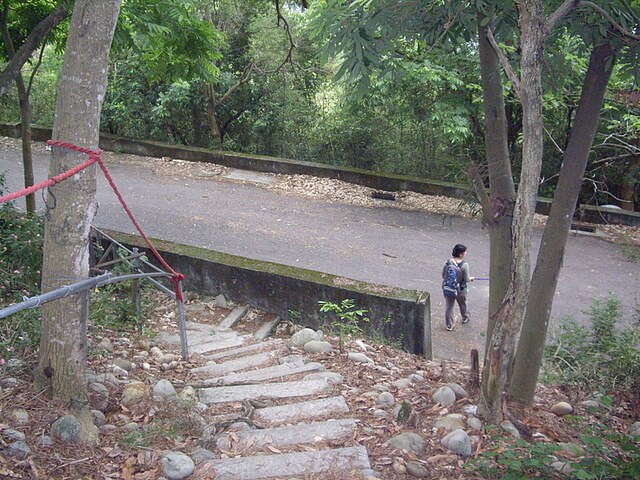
[{"x": 379, "y": 245}]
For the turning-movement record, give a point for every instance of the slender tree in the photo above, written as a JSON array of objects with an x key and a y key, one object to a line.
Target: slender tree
[{"x": 72, "y": 206}]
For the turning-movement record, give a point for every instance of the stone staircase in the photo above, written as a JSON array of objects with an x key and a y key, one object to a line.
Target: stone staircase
[{"x": 292, "y": 422}]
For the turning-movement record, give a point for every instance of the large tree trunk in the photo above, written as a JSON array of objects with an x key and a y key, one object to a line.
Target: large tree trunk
[
  {"x": 498, "y": 214},
  {"x": 509, "y": 316},
  {"x": 62, "y": 356},
  {"x": 545, "y": 277}
]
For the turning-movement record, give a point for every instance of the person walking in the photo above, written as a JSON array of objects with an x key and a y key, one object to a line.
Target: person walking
[{"x": 456, "y": 277}]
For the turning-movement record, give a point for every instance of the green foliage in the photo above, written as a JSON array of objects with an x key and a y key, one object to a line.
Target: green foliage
[
  {"x": 349, "y": 318},
  {"x": 601, "y": 355},
  {"x": 604, "y": 454},
  {"x": 20, "y": 252},
  {"x": 114, "y": 305},
  {"x": 20, "y": 264},
  {"x": 172, "y": 38}
]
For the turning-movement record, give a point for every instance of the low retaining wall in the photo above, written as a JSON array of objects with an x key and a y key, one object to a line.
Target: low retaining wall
[
  {"x": 398, "y": 315},
  {"x": 358, "y": 176}
]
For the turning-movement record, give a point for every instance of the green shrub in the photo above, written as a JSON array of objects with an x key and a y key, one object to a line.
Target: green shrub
[
  {"x": 20, "y": 253},
  {"x": 20, "y": 265},
  {"x": 349, "y": 318},
  {"x": 602, "y": 454},
  {"x": 601, "y": 355}
]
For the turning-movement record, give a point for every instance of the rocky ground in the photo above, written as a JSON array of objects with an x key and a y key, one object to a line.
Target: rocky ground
[{"x": 404, "y": 407}]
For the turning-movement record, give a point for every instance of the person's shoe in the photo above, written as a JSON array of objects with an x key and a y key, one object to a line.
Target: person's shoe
[
  {"x": 450, "y": 327},
  {"x": 466, "y": 320}
]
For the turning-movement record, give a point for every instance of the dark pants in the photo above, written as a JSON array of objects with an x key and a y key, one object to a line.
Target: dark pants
[{"x": 462, "y": 302}]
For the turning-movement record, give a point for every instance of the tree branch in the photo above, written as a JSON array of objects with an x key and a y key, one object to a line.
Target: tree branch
[
  {"x": 481, "y": 192},
  {"x": 245, "y": 78},
  {"x": 623, "y": 31},
  {"x": 504, "y": 61},
  {"x": 559, "y": 14},
  {"x": 8, "y": 75},
  {"x": 287, "y": 29}
]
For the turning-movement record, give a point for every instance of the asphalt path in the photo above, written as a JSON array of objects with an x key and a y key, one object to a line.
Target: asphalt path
[{"x": 380, "y": 245}]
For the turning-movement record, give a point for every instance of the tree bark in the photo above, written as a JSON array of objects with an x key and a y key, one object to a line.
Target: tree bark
[
  {"x": 498, "y": 213},
  {"x": 62, "y": 356},
  {"x": 549, "y": 261},
  {"x": 214, "y": 128},
  {"x": 509, "y": 315},
  {"x": 39, "y": 33}
]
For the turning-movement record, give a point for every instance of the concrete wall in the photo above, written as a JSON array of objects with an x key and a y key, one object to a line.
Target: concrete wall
[
  {"x": 396, "y": 314},
  {"x": 358, "y": 176}
]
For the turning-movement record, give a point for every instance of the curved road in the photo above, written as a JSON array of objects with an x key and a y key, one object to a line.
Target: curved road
[{"x": 380, "y": 245}]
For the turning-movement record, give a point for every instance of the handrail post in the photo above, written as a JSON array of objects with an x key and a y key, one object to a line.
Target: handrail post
[{"x": 182, "y": 324}]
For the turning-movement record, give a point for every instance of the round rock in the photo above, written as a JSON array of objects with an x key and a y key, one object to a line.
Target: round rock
[
  {"x": 176, "y": 465},
  {"x": 409, "y": 441},
  {"x": 164, "y": 391},
  {"x": 20, "y": 416},
  {"x": 317, "y": 346},
  {"x": 19, "y": 450},
  {"x": 133, "y": 393},
  {"x": 304, "y": 336},
  {"x": 66, "y": 429},
  {"x": 98, "y": 396},
  {"x": 450, "y": 423},
  {"x": 510, "y": 428},
  {"x": 14, "y": 435},
  {"x": 359, "y": 357},
  {"x": 458, "y": 390},
  {"x": 458, "y": 442},
  {"x": 123, "y": 363},
  {"x": 98, "y": 418},
  {"x": 474, "y": 424},
  {"x": 386, "y": 399},
  {"x": 444, "y": 396},
  {"x": 562, "y": 408},
  {"x": 417, "y": 469}
]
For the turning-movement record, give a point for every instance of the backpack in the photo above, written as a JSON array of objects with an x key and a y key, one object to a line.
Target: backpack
[{"x": 452, "y": 275}]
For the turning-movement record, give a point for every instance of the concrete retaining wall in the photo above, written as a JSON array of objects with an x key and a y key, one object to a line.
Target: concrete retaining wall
[
  {"x": 358, "y": 176},
  {"x": 399, "y": 315}
]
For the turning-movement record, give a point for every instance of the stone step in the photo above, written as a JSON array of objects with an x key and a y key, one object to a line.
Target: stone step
[
  {"x": 238, "y": 393},
  {"x": 197, "y": 337},
  {"x": 237, "y": 364},
  {"x": 345, "y": 463},
  {"x": 205, "y": 327},
  {"x": 301, "y": 434},
  {"x": 219, "y": 344},
  {"x": 262, "y": 374},
  {"x": 235, "y": 316},
  {"x": 253, "y": 348},
  {"x": 266, "y": 328},
  {"x": 301, "y": 411}
]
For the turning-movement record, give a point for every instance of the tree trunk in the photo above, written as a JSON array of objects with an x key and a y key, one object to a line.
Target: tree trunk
[
  {"x": 498, "y": 216},
  {"x": 62, "y": 356},
  {"x": 25, "y": 112},
  {"x": 25, "y": 132},
  {"x": 628, "y": 189},
  {"x": 545, "y": 277},
  {"x": 211, "y": 115},
  {"x": 509, "y": 315}
]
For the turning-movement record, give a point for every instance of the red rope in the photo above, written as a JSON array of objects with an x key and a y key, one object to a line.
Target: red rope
[{"x": 94, "y": 156}]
